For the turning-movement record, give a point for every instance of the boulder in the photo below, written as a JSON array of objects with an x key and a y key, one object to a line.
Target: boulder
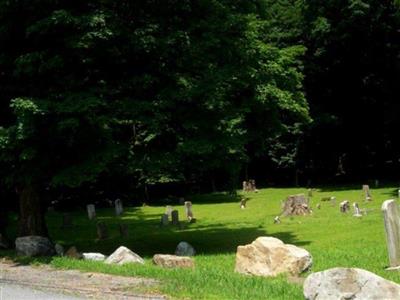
[
  {"x": 185, "y": 249},
  {"x": 59, "y": 249},
  {"x": 93, "y": 256},
  {"x": 269, "y": 256},
  {"x": 34, "y": 246},
  {"x": 72, "y": 252},
  {"x": 349, "y": 283},
  {"x": 122, "y": 256},
  {"x": 173, "y": 261}
]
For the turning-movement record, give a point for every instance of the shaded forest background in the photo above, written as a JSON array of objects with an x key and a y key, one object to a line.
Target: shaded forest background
[{"x": 145, "y": 99}]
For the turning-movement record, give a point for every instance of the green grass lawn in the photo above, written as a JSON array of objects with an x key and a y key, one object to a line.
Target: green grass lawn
[{"x": 334, "y": 240}]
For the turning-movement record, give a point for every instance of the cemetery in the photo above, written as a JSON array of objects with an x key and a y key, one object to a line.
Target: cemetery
[
  {"x": 199, "y": 149},
  {"x": 190, "y": 260}
]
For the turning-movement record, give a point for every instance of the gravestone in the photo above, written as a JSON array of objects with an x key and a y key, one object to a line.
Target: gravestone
[
  {"x": 310, "y": 193},
  {"x": 249, "y": 186},
  {"x": 188, "y": 210},
  {"x": 333, "y": 201},
  {"x": 357, "y": 211},
  {"x": 344, "y": 206},
  {"x": 367, "y": 192},
  {"x": 376, "y": 183},
  {"x": 123, "y": 230},
  {"x": 67, "y": 221},
  {"x": 91, "y": 209},
  {"x": 102, "y": 231},
  {"x": 244, "y": 186},
  {"x": 296, "y": 205},
  {"x": 164, "y": 220},
  {"x": 168, "y": 210},
  {"x": 175, "y": 217},
  {"x": 392, "y": 227},
  {"x": 119, "y": 209},
  {"x": 243, "y": 203},
  {"x": 319, "y": 205},
  {"x": 277, "y": 220}
]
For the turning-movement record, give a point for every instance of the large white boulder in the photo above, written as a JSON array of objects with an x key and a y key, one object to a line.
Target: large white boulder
[
  {"x": 349, "y": 283},
  {"x": 123, "y": 256},
  {"x": 269, "y": 256},
  {"x": 34, "y": 246}
]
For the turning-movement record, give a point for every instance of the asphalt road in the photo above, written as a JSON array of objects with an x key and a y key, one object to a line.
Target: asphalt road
[{"x": 18, "y": 292}]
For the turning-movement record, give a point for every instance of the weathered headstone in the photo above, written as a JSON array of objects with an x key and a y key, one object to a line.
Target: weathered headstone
[
  {"x": 333, "y": 201},
  {"x": 392, "y": 227},
  {"x": 164, "y": 220},
  {"x": 296, "y": 205},
  {"x": 310, "y": 194},
  {"x": 243, "y": 203},
  {"x": 188, "y": 210},
  {"x": 277, "y": 220},
  {"x": 376, "y": 183},
  {"x": 168, "y": 210},
  {"x": 102, "y": 232},
  {"x": 119, "y": 209},
  {"x": 367, "y": 192},
  {"x": 344, "y": 206},
  {"x": 249, "y": 186},
  {"x": 244, "y": 186},
  {"x": 123, "y": 230},
  {"x": 66, "y": 221},
  {"x": 357, "y": 211},
  {"x": 175, "y": 217},
  {"x": 91, "y": 210}
]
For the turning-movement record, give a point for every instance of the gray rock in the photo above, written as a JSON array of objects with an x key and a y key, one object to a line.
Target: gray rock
[
  {"x": 34, "y": 246},
  {"x": 59, "y": 249},
  {"x": 349, "y": 283},
  {"x": 122, "y": 256},
  {"x": 185, "y": 249},
  {"x": 94, "y": 256}
]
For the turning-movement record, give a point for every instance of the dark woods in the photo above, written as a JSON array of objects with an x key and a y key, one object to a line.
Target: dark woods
[{"x": 144, "y": 99}]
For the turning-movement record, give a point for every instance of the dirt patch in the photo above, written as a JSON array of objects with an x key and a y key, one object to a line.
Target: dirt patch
[{"x": 72, "y": 282}]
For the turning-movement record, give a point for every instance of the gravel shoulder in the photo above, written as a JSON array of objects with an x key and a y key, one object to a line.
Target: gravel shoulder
[{"x": 23, "y": 278}]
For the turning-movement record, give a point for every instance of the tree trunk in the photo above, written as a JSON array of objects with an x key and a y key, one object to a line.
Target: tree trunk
[{"x": 31, "y": 215}]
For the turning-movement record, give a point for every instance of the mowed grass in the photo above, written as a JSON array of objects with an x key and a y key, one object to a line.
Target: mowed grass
[{"x": 334, "y": 239}]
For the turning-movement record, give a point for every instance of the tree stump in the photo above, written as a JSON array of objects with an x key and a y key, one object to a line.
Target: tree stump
[{"x": 296, "y": 205}]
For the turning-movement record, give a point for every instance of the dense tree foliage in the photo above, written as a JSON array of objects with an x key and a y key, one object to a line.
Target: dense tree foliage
[
  {"x": 142, "y": 93},
  {"x": 104, "y": 98}
]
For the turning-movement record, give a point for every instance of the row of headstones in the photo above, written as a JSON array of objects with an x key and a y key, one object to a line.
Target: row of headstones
[
  {"x": 91, "y": 209},
  {"x": 249, "y": 186},
  {"x": 174, "y": 214}
]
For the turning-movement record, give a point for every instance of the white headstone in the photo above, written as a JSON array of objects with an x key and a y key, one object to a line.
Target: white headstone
[
  {"x": 357, "y": 211},
  {"x": 119, "y": 209},
  {"x": 188, "y": 210},
  {"x": 168, "y": 210},
  {"x": 392, "y": 227},
  {"x": 91, "y": 210}
]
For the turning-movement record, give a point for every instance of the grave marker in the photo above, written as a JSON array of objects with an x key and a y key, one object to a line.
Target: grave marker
[
  {"x": 188, "y": 210},
  {"x": 102, "y": 232},
  {"x": 392, "y": 227},
  {"x": 357, "y": 211},
  {"x": 66, "y": 221},
  {"x": 164, "y": 220},
  {"x": 91, "y": 210},
  {"x": 175, "y": 217},
  {"x": 168, "y": 210},
  {"x": 344, "y": 206},
  {"x": 119, "y": 208}
]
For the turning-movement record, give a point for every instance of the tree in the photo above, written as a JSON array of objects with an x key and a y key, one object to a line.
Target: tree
[{"x": 151, "y": 90}]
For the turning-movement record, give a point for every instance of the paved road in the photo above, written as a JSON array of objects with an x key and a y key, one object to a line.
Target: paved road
[{"x": 18, "y": 292}]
